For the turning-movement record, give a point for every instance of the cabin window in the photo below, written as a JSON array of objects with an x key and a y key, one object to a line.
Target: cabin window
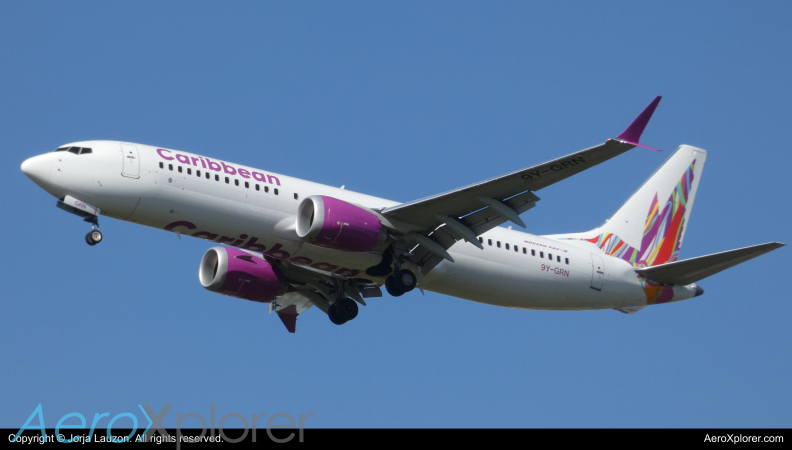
[
  {"x": 228, "y": 180},
  {"x": 516, "y": 249},
  {"x": 507, "y": 246},
  {"x": 266, "y": 188},
  {"x": 75, "y": 150},
  {"x": 236, "y": 182},
  {"x": 550, "y": 256},
  {"x": 489, "y": 242},
  {"x": 525, "y": 251},
  {"x": 162, "y": 166},
  {"x": 217, "y": 177},
  {"x": 533, "y": 252},
  {"x": 170, "y": 166},
  {"x": 481, "y": 240},
  {"x": 85, "y": 150},
  {"x": 295, "y": 196},
  {"x": 189, "y": 171},
  {"x": 247, "y": 185},
  {"x": 558, "y": 258},
  {"x": 541, "y": 254},
  {"x": 566, "y": 260},
  {"x": 207, "y": 175},
  {"x": 275, "y": 191},
  {"x": 180, "y": 169},
  {"x": 257, "y": 187},
  {"x": 498, "y": 244}
]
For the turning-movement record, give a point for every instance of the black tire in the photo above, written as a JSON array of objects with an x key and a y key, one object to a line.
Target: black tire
[
  {"x": 96, "y": 236},
  {"x": 333, "y": 315},
  {"x": 346, "y": 309},
  {"x": 404, "y": 280},
  {"x": 89, "y": 240},
  {"x": 391, "y": 288}
]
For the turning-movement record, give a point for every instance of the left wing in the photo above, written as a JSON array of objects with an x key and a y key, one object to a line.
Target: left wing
[{"x": 470, "y": 211}]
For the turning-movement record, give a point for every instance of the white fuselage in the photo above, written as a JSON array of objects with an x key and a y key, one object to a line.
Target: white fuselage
[{"x": 180, "y": 200}]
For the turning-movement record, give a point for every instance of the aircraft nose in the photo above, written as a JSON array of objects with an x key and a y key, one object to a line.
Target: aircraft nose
[{"x": 37, "y": 168}]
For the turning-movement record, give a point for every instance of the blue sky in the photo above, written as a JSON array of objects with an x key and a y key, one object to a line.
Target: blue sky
[{"x": 398, "y": 100}]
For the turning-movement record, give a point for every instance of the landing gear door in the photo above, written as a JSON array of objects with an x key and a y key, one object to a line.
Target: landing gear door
[
  {"x": 131, "y": 167},
  {"x": 597, "y": 272}
]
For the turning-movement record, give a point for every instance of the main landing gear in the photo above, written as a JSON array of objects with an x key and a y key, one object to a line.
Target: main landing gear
[
  {"x": 400, "y": 283},
  {"x": 343, "y": 311},
  {"x": 94, "y": 236}
]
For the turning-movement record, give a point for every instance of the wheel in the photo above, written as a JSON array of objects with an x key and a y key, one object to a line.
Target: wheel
[
  {"x": 391, "y": 288},
  {"x": 404, "y": 280},
  {"x": 346, "y": 308},
  {"x": 89, "y": 240},
  {"x": 333, "y": 315},
  {"x": 96, "y": 236}
]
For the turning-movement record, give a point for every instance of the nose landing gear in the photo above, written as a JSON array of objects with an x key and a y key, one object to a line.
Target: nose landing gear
[{"x": 94, "y": 236}]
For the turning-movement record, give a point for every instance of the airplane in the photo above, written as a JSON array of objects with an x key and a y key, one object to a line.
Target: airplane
[{"x": 294, "y": 244}]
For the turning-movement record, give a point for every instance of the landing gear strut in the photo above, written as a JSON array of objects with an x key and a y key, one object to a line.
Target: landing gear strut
[
  {"x": 94, "y": 236},
  {"x": 400, "y": 283}
]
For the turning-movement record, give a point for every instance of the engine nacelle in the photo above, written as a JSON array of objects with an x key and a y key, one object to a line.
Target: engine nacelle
[
  {"x": 329, "y": 222},
  {"x": 239, "y": 274}
]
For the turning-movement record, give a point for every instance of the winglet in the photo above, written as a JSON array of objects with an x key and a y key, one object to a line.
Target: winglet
[{"x": 632, "y": 134}]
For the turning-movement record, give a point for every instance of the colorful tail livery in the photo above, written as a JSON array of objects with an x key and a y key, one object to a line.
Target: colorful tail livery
[{"x": 649, "y": 228}]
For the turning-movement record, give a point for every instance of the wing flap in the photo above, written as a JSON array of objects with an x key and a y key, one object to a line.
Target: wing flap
[{"x": 691, "y": 270}]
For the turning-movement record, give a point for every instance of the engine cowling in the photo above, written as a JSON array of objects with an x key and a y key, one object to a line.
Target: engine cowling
[
  {"x": 239, "y": 274},
  {"x": 332, "y": 223}
]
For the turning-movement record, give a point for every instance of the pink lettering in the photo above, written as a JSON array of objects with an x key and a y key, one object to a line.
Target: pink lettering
[
  {"x": 301, "y": 260},
  {"x": 213, "y": 165},
  {"x": 270, "y": 178},
  {"x": 181, "y": 223},
  {"x": 243, "y": 173},
  {"x": 276, "y": 252},
  {"x": 166, "y": 158},
  {"x": 203, "y": 162},
  {"x": 194, "y": 161},
  {"x": 251, "y": 245},
  {"x": 228, "y": 169},
  {"x": 324, "y": 266},
  {"x": 259, "y": 177},
  {"x": 182, "y": 159},
  {"x": 347, "y": 272}
]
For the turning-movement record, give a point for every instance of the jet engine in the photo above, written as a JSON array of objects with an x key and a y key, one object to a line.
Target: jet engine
[
  {"x": 332, "y": 223},
  {"x": 239, "y": 274}
]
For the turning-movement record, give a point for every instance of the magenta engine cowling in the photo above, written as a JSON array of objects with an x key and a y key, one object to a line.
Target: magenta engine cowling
[
  {"x": 240, "y": 274},
  {"x": 329, "y": 222}
]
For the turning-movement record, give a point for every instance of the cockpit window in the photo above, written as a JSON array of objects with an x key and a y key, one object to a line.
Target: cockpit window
[{"x": 75, "y": 150}]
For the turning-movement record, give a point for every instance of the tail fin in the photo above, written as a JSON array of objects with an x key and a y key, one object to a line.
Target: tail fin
[{"x": 649, "y": 228}]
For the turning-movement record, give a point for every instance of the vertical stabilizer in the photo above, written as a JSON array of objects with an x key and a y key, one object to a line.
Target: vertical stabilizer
[{"x": 649, "y": 228}]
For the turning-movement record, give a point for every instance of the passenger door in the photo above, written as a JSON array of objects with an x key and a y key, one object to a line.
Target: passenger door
[{"x": 131, "y": 164}]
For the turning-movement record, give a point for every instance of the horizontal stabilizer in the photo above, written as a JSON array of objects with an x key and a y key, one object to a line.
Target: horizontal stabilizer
[{"x": 694, "y": 269}]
